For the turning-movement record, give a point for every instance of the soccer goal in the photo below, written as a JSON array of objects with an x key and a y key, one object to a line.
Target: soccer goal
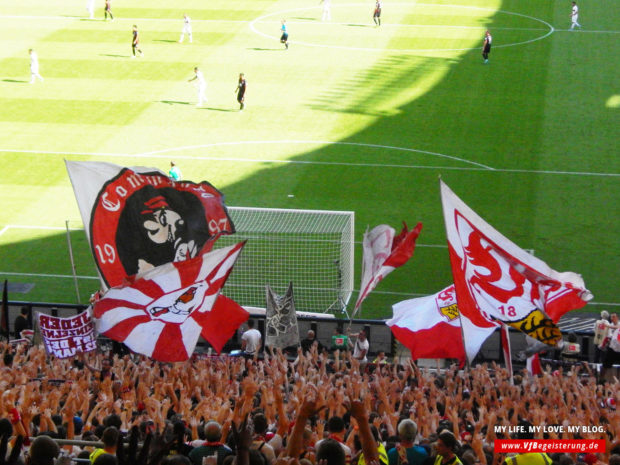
[{"x": 311, "y": 248}]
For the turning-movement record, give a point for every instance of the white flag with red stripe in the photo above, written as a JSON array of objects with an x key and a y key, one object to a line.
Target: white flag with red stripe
[
  {"x": 498, "y": 282},
  {"x": 429, "y": 326},
  {"x": 533, "y": 365},
  {"x": 384, "y": 252},
  {"x": 161, "y": 313}
]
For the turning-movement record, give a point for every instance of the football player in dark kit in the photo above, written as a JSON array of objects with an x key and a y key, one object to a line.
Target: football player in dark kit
[
  {"x": 108, "y": 10},
  {"x": 376, "y": 16},
  {"x": 241, "y": 91},
  {"x": 486, "y": 46},
  {"x": 135, "y": 42}
]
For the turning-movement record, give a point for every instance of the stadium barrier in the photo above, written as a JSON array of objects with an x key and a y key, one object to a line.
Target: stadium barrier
[{"x": 323, "y": 325}]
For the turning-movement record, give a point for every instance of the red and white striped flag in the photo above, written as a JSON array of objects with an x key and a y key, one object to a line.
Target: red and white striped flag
[
  {"x": 429, "y": 326},
  {"x": 383, "y": 252},
  {"x": 498, "y": 282},
  {"x": 533, "y": 365},
  {"x": 161, "y": 313}
]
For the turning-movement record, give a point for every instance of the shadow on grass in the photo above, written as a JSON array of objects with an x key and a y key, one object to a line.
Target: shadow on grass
[
  {"x": 226, "y": 110},
  {"x": 15, "y": 81},
  {"x": 166, "y": 41},
  {"x": 463, "y": 113},
  {"x": 361, "y": 25},
  {"x": 305, "y": 19},
  {"x": 258, "y": 49},
  {"x": 113, "y": 56},
  {"x": 174, "y": 102}
]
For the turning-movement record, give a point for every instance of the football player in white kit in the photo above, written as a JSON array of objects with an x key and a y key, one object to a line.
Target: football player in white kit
[
  {"x": 202, "y": 86},
  {"x": 34, "y": 66},
  {"x": 574, "y": 16},
  {"x": 187, "y": 29},
  {"x": 327, "y": 10}
]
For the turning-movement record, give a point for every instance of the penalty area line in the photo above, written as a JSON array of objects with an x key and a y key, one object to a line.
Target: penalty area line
[{"x": 159, "y": 155}]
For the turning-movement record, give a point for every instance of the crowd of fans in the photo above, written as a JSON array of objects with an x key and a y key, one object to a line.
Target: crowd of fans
[{"x": 321, "y": 408}]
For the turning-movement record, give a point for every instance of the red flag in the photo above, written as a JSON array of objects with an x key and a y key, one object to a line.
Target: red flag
[
  {"x": 429, "y": 326},
  {"x": 382, "y": 254},
  {"x": 498, "y": 282},
  {"x": 162, "y": 313}
]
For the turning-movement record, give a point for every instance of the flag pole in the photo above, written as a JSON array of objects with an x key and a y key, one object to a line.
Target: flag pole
[
  {"x": 73, "y": 269},
  {"x": 505, "y": 340},
  {"x": 467, "y": 364},
  {"x": 359, "y": 308},
  {"x": 4, "y": 316}
]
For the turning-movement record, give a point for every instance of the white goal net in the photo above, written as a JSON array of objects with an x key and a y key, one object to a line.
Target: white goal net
[{"x": 311, "y": 248}]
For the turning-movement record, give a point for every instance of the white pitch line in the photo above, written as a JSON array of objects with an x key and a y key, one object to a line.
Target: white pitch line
[
  {"x": 321, "y": 23},
  {"x": 5, "y": 229},
  {"x": 96, "y": 20},
  {"x": 42, "y": 275},
  {"x": 308, "y": 162},
  {"x": 357, "y": 144},
  {"x": 400, "y": 25},
  {"x": 586, "y": 31},
  {"x": 366, "y": 49}
]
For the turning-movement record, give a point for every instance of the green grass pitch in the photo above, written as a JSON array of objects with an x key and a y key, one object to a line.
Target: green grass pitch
[{"x": 351, "y": 117}]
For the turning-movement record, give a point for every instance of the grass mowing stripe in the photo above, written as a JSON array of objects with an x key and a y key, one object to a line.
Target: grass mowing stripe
[
  {"x": 224, "y": 13},
  {"x": 72, "y": 111},
  {"x": 120, "y": 68},
  {"x": 84, "y": 36},
  {"x": 185, "y": 154}
]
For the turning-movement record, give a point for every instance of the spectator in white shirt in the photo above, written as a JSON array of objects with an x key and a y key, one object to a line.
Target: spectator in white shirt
[{"x": 251, "y": 340}]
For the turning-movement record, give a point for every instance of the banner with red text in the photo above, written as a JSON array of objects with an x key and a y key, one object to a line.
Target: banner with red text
[{"x": 66, "y": 337}]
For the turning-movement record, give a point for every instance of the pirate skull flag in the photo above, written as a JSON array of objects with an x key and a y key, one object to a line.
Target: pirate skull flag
[
  {"x": 161, "y": 313},
  {"x": 138, "y": 218}
]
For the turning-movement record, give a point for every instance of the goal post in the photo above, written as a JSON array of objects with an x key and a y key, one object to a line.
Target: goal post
[{"x": 311, "y": 248}]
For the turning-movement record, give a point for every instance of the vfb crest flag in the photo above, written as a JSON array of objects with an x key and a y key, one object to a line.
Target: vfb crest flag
[
  {"x": 498, "y": 282},
  {"x": 163, "y": 312},
  {"x": 429, "y": 326},
  {"x": 137, "y": 219}
]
